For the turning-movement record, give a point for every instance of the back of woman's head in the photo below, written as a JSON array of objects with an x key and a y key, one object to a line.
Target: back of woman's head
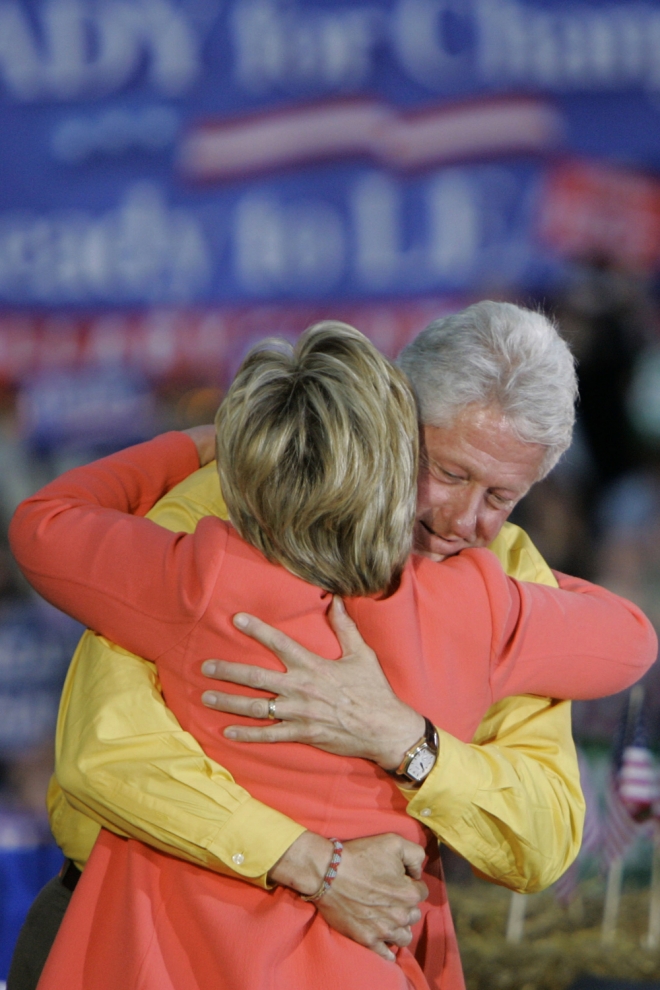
[{"x": 317, "y": 457}]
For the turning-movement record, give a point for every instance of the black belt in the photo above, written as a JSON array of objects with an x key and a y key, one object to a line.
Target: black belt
[{"x": 69, "y": 875}]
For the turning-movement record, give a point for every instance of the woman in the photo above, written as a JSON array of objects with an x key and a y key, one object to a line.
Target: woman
[{"x": 316, "y": 454}]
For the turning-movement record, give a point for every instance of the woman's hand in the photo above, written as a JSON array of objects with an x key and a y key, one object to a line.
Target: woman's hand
[
  {"x": 373, "y": 899},
  {"x": 204, "y": 439},
  {"x": 345, "y": 706}
]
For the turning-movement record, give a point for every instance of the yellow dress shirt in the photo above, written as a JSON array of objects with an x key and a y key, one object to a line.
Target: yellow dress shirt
[{"x": 510, "y": 802}]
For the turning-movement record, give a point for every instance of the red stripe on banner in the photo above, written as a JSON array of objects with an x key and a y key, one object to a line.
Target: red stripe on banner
[
  {"x": 208, "y": 344},
  {"x": 240, "y": 146}
]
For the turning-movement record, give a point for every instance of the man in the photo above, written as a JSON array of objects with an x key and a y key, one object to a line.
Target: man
[{"x": 514, "y": 808}]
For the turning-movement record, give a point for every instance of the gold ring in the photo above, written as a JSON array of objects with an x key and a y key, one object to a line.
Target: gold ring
[{"x": 271, "y": 707}]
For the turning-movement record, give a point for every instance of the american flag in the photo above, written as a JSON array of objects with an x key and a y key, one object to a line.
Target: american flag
[
  {"x": 566, "y": 887},
  {"x": 632, "y": 786},
  {"x": 638, "y": 782}
]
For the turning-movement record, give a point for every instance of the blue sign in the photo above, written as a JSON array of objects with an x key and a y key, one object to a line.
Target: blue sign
[
  {"x": 28, "y": 860},
  {"x": 36, "y": 645},
  {"x": 93, "y": 409},
  {"x": 171, "y": 151}
]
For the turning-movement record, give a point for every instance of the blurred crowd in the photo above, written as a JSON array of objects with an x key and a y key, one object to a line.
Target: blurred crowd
[{"x": 598, "y": 513}]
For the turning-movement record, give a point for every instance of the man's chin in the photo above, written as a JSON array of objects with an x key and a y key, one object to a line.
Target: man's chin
[
  {"x": 427, "y": 553},
  {"x": 434, "y": 546}
]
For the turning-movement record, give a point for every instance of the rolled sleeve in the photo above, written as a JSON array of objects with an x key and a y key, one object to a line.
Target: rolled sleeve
[{"x": 511, "y": 806}]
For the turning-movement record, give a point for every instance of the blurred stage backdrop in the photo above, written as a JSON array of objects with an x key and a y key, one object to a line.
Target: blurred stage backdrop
[{"x": 179, "y": 178}]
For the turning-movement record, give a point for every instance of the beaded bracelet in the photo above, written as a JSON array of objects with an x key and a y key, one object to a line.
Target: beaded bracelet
[{"x": 330, "y": 873}]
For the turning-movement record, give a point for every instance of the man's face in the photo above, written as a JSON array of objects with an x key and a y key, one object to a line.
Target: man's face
[{"x": 472, "y": 474}]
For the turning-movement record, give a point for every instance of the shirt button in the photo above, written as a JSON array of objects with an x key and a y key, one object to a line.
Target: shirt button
[
  {"x": 425, "y": 812},
  {"x": 238, "y": 858}
]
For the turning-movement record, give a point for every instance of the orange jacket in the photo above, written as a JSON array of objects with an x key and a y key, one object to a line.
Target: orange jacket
[{"x": 452, "y": 639}]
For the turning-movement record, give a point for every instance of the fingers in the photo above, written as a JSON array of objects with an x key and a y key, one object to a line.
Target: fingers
[
  {"x": 382, "y": 950},
  {"x": 240, "y": 673},
  {"x": 372, "y": 900},
  {"x": 399, "y": 852},
  {"x": 413, "y": 858},
  {"x": 204, "y": 439},
  {"x": 238, "y": 704},
  {"x": 271, "y": 733},
  {"x": 401, "y": 937},
  {"x": 285, "y": 648},
  {"x": 422, "y": 890},
  {"x": 345, "y": 629}
]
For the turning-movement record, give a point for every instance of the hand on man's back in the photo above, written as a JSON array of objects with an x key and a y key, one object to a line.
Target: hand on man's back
[
  {"x": 204, "y": 439},
  {"x": 345, "y": 706}
]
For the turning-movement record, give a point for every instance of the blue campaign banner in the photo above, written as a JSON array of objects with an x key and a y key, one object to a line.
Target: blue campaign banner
[
  {"x": 101, "y": 410},
  {"x": 170, "y": 151},
  {"x": 344, "y": 231},
  {"x": 28, "y": 860},
  {"x": 36, "y": 646}
]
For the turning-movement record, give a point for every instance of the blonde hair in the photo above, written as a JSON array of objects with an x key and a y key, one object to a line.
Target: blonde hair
[{"x": 317, "y": 456}]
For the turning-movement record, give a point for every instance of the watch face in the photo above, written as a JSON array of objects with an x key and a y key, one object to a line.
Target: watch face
[{"x": 421, "y": 764}]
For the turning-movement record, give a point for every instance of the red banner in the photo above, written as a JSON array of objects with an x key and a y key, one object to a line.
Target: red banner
[
  {"x": 595, "y": 211},
  {"x": 204, "y": 344}
]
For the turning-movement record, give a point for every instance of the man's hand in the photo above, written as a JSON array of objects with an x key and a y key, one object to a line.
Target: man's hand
[
  {"x": 373, "y": 899},
  {"x": 204, "y": 439},
  {"x": 342, "y": 706}
]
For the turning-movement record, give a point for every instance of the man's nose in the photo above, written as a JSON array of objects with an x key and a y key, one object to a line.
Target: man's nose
[{"x": 465, "y": 516}]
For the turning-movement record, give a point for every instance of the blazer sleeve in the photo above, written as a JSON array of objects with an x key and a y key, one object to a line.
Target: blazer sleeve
[
  {"x": 577, "y": 641},
  {"x": 81, "y": 546},
  {"x": 123, "y": 762}
]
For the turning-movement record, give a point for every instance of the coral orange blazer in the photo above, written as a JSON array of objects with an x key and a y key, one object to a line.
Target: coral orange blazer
[{"x": 454, "y": 638}]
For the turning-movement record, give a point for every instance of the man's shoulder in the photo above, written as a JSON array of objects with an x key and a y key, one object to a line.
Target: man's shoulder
[
  {"x": 519, "y": 557},
  {"x": 192, "y": 499}
]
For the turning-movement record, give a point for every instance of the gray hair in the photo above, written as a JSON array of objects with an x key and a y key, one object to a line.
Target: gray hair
[{"x": 497, "y": 354}]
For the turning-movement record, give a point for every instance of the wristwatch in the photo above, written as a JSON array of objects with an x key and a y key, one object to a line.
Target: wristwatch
[{"x": 420, "y": 759}]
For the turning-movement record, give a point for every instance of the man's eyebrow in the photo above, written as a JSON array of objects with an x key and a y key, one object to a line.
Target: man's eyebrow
[
  {"x": 442, "y": 460},
  {"x": 442, "y": 465},
  {"x": 508, "y": 492}
]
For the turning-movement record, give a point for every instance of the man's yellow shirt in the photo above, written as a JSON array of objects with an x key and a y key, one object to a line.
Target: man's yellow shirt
[{"x": 510, "y": 802}]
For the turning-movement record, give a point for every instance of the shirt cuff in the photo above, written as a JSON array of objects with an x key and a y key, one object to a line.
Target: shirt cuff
[
  {"x": 253, "y": 839},
  {"x": 450, "y": 789}
]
